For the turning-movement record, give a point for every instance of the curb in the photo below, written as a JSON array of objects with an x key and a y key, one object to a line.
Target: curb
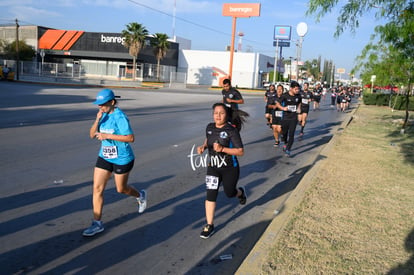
[{"x": 254, "y": 261}]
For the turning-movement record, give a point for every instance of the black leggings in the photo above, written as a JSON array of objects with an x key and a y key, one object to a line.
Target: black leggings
[
  {"x": 228, "y": 177},
  {"x": 288, "y": 132}
]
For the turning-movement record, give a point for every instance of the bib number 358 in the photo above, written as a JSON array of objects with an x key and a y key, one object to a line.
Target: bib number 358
[{"x": 110, "y": 152}]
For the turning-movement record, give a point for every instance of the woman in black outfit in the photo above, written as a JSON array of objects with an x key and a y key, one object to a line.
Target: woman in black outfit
[{"x": 224, "y": 145}]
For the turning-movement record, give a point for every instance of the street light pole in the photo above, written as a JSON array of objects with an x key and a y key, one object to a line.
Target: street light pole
[
  {"x": 301, "y": 30},
  {"x": 17, "y": 50},
  {"x": 276, "y": 57},
  {"x": 290, "y": 68}
]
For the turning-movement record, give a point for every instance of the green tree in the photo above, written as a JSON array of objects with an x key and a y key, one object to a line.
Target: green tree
[
  {"x": 395, "y": 36},
  {"x": 3, "y": 44},
  {"x": 26, "y": 52},
  {"x": 134, "y": 36},
  {"x": 312, "y": 69},
  {"x": 161, "y": 45}
]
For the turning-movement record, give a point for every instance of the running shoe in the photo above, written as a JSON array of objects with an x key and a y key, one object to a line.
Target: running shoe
[
  {"x": 95, "y": 228},
  {"x": 208, "y": 230},
  {"x": 243, "y": 197},
  {"x": 284, "y": 148},
  {"x": 276, "y": 143},
  {"x": 142, "y": 201},
  {"x": 287, "y": 152},
  {"x": 301, "y": 134}
]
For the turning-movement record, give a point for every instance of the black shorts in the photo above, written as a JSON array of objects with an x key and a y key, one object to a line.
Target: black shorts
[
  {"x": 111, "y": 167},
  {"x": 317, "y": 99},
  {"x": 276, "y": 120},
  {"x": 304, "y": 109},
  {"x": 268, "y": 110}
]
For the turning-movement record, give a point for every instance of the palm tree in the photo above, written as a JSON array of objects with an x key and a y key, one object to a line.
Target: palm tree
[
  {"x": 134, "y": 36},
  {"x": 161, "y": 45}
]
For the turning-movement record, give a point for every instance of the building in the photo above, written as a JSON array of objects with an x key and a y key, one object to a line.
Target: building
[
  {"x": 211, "y": 67},
  {"x": 103, "y": 54},
  {"x": 99, "y": 53}
]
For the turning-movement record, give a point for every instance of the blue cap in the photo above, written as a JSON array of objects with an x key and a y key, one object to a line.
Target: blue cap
[{"x": 104, "y": 96}]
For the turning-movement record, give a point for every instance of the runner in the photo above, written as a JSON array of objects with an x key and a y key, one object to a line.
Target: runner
[
  {"x": 333, "y": 97},
  {"x": 344, "y": 100},
  {"x": 269, "y": 98},
  {"x": 304, "y": 109},
  {"x": 317, "y": 93},
  {"x": 291, "y": 102},
  {"x": 112, "y": 128},
  {"x": 232, "y": 98},
  {"x": 339, "y": 96},
  {"x": 224, "y": 144},
  {"x": 277, "y": 115}
]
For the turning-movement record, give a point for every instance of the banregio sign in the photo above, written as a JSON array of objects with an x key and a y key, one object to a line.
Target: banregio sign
[{"x": 105, "y": 42}]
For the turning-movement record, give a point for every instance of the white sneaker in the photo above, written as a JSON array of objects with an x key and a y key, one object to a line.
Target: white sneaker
[{"x": 142, "y": 201}]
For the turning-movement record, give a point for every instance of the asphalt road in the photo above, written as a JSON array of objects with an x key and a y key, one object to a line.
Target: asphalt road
[{"x": 47, "y": 164}]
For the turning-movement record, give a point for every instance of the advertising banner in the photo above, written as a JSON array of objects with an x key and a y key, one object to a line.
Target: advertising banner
[{"x": 241, "y": 10}]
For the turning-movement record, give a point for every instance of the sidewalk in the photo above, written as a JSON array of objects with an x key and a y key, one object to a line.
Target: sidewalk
[{"x": 357, "y": 221}]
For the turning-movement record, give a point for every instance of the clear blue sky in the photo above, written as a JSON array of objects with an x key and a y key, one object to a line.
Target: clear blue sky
[{"x": 200, "y": 21}]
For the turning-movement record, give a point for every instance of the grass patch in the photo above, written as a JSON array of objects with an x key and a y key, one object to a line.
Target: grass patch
[{"x": 357, "y": 215}]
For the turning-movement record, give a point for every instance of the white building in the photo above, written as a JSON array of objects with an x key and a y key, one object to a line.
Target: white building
[{"x": 211, "y": 67}]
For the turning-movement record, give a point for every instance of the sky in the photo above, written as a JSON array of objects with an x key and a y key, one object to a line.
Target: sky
[{"x": 201, "y": 22}]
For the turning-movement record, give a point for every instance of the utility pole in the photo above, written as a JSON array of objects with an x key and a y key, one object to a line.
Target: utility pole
[{"x": 17, "y": 50}]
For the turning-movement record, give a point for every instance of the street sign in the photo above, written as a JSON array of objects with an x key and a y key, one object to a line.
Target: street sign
[{"x": 282, "y": 43}]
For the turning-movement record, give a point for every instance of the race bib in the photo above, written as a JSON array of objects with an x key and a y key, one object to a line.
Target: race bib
[
  {"x": 291, "y": 108},
  {"x": 305, "y": 101},
  {"x": 110, "y": 152},
  {"x": 278, "y": 113},
  {"x": 212, "y": 182},
  {"x": 228, "y": 105}
]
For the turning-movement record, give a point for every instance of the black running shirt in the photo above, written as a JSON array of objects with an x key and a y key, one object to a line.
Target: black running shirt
[
  {"x": 292, "y": 102},
  {"x": 306, "y": 98},
  {"x": 271, "y": 97},
  {"x": 232, "y": 94},
  {"x": 227, "y": 136}
]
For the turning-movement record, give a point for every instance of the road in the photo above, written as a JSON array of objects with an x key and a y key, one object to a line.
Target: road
[{"x": 47, "y": 167}]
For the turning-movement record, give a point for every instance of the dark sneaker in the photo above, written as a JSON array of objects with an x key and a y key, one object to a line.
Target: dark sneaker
[
  {"x": 142, "y": 201},
  {"x": 284, "y": 148},
  {"x": 95, "y": 228},
  {"x": 276, "y": 143},
  {"x": 208, "y": 230},
  {"x": 301, "y": 134},
  {"x": 243, "y": 197},
  {"x": 287, "y": 152}
]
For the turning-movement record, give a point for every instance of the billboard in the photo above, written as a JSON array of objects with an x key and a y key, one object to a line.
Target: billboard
[
  {"x": 340, "y": 70},
  {"x": 241, "y": 10},
  {"x": 282, "y": 32}
]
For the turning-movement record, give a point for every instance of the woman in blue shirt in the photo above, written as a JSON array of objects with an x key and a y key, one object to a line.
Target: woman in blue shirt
[{"x": 112, "y": 128}]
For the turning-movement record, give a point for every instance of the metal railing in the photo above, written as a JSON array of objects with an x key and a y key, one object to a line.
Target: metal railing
[{"x": 92, "y": 69}]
